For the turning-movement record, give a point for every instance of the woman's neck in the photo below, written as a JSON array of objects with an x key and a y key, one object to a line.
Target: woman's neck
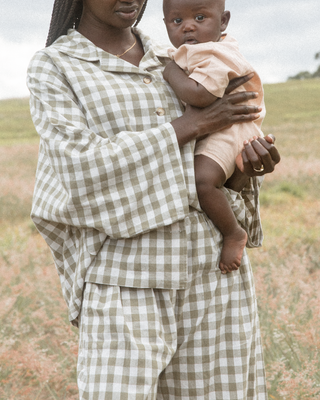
[
  {"x": 108, "y": 38},
  {"x": 114, "y": 41}
]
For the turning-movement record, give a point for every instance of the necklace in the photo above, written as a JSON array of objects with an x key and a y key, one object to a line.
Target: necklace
[{"x": 131, "y": 47}]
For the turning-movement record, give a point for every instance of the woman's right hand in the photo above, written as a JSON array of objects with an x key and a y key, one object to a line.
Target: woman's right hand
[{"x": 197, "y": 123}]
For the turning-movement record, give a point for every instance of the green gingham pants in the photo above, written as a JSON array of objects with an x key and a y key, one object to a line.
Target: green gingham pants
[{"x": 152, "y": 344}]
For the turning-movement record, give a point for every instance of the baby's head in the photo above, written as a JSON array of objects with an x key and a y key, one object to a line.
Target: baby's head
[{"x": 195, "y": 21}]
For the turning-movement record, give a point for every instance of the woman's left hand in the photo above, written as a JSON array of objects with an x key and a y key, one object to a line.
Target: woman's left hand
[{"x": 259, "y": 156}]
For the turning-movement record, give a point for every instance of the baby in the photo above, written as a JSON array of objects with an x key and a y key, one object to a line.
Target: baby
[{"x": 205, "y": 60}]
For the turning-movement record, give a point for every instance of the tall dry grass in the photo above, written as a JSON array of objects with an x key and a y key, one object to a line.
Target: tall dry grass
[
  {"x": 38, "y": 347},
  {"x": 287, "y": 267}
]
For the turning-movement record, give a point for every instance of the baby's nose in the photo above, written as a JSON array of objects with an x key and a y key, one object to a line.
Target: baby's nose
[{"x": 189, "y": 26}]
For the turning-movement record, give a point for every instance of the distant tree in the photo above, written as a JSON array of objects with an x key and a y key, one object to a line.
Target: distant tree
[
  {"x": 317, "y": 73},
  {"x": 306, "y": 74},
  {"x": 302, "y": 75}
]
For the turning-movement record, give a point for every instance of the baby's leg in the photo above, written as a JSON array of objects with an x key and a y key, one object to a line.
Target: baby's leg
[{"x": 209, "y": 179}]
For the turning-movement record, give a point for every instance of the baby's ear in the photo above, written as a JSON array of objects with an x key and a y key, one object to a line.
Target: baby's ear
[{"x": 225, "y": 18}]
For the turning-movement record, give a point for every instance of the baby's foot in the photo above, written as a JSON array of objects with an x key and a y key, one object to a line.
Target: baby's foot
[{"x": 232, "y": 251}]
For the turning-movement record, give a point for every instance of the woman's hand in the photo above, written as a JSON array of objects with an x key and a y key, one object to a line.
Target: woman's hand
[
  {"x": 197, "y": 123},
  {"x": 259, "y": 156},
  {"x": 236, "y": 82}
]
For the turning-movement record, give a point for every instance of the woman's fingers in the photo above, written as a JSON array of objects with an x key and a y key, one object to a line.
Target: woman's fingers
[
  {"x": 270, "y": 138},
  {"x": 251, "y": 159},
  {"x": 241, "y": 97},
  {"x": 235, "y": 83},
  {"x": 259, "y": 156},
  {"x": 267, "y": 152},
  {"x": 269, "y": 145},
  {"x": 243, "y": 112},
  {"x": 222, "y": 114}
]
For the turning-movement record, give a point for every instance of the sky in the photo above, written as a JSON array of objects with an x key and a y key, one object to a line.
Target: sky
[{"x": 279, "y": 38}]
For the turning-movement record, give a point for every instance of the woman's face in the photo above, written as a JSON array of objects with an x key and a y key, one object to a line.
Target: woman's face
[{"x": 117, "y": 14}]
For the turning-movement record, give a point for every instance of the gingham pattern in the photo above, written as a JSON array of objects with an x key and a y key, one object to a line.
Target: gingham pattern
[
  {"x": 112, "y": 187},
  {"x": 202, "y": 342}
]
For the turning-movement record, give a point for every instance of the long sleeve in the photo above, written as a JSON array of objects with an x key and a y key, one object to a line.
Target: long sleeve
[{"x": 121, "y": 184}]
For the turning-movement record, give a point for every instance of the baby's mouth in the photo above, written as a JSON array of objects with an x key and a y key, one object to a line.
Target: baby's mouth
[{"x": 190, "y": 41}]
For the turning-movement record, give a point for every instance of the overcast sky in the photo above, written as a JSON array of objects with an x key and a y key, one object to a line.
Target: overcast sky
[{"x": 279, "y": 38}]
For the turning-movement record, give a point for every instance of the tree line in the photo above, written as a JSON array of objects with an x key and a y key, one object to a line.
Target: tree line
[{"x": 306, "y": 74}]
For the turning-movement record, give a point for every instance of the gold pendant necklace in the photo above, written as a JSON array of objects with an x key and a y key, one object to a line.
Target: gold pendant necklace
[{"x": 131, "y": 47}]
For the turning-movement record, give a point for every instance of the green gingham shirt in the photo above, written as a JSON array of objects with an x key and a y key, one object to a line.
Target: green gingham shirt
[{"x": 112, "y": 186}]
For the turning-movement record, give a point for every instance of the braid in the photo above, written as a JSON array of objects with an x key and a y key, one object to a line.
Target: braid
[
  {"x": 65, "y": 15},
  {"x": 141, "y": 13}
]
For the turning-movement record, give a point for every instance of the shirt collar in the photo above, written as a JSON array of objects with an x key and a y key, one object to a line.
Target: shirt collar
[{"x": 78, "y": 46}]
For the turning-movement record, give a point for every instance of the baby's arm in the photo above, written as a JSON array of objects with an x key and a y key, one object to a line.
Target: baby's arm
[{"x": 187, "y": 89}]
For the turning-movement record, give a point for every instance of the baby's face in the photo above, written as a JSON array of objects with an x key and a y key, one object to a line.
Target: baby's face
[{"x": 191, "y": 22}]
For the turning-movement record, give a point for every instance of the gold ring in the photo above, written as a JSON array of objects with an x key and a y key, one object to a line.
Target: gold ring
[{"x": 261, "y": 169}]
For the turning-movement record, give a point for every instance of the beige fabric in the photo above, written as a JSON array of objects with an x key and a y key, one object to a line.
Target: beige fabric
[
  {"x": 213, "y": 65},
  {"x": 202, "y": 342},
  {"x": 113, "y": 188}
]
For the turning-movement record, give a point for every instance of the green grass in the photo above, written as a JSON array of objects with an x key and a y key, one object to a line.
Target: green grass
[
  {"x": 293, "y": 102},
  {"x": 293, "y": 116},
  {"x": 15, "y": 122}
]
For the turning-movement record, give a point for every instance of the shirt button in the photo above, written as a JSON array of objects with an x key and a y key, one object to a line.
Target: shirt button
[
  {"x": 147, "y": 80},
  {"x": 160, "y": 111}
]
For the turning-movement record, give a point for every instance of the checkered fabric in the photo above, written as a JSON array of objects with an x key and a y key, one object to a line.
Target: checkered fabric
[
  {"x": 202, "y": 342},
  {"x": 113, "y": 188}
]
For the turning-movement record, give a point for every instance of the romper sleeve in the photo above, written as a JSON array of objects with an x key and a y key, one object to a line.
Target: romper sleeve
[
  {"x": 121, "y": 186},
  {"x": 212, "y": 64}
]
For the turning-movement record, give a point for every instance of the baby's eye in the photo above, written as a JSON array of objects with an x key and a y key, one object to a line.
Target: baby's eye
[
  {"x": 177, "y": 20},
  {"x": 199, "y": 18}
]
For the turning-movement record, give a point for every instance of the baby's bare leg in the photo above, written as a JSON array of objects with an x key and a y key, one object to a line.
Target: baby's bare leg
[{"x": 209, "y": 179}]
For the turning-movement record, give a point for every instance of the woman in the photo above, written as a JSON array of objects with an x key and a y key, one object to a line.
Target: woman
[{"x": 115, "y": 200}]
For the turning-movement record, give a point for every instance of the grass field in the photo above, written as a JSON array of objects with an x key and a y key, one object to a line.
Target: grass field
[{"x": 38, "y": 347}]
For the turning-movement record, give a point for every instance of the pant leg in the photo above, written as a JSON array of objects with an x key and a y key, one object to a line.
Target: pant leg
[
  {"x": 127, "y": 338},
  {"x": 219, "y": 352}
]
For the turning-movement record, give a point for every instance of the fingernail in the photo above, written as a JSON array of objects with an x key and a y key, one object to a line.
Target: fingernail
[{"x": 271, "y": 137}]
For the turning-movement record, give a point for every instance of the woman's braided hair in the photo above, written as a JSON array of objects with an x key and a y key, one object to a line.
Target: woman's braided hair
[{"x": 66, "y": 14}]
